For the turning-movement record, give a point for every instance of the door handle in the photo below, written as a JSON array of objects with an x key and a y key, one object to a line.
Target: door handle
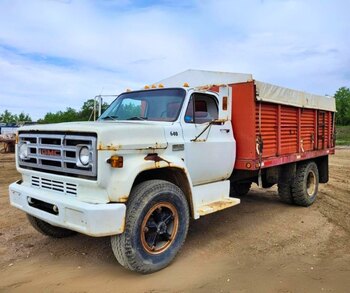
[{"x": 225, "y": 130}]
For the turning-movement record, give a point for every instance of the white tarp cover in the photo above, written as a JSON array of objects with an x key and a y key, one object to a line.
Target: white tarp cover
[
  {"x": 196, "y": 78},
  {"x": 266, "y": 92},
  {"x": 275, "y": 94}
]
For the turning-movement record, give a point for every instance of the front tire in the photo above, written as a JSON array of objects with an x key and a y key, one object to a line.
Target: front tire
[
  {"x": 49, "y": 230},
  {"x": 157, "y": 220}
]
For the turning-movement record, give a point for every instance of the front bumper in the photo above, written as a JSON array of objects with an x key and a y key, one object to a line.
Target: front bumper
[{"x": 87, "y": 218}]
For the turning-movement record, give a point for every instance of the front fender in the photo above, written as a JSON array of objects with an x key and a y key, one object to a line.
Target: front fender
[{"x": 122, "y": 179}]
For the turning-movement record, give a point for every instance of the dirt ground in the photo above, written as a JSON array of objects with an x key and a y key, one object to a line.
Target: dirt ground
[{"x": 261, "y": 245}]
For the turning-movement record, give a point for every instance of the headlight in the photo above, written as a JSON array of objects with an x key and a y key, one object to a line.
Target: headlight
[
  {"x": 23, "y": 151},
  {"x": 84, "y": 156}
]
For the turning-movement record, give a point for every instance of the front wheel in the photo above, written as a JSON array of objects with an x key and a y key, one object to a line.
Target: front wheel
[
  {"x": 48, "y": 229},
  {"x": 157, "y": 220}
]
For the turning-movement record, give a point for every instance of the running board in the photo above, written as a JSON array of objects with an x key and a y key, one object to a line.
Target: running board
[
  {"x": 212, "y": 197},
  {"x": 218, "y": 205}
]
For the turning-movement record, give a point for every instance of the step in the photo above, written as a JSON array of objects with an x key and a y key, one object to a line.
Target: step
[{"x": 215, "y": 206}]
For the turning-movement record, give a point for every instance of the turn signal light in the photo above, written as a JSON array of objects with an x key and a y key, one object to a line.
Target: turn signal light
[{"x": 116, "y": 161}]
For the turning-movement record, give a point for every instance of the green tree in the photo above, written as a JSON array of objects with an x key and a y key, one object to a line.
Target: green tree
[
  {"x": 61, "y": 116},
  {"x": 8, "y": 117},
  {"x": 22, "y": 117},
  {"x": 70, "y": 114},
  {"x": 86, "y": 112},
  {"x": 342, "y": 99}
]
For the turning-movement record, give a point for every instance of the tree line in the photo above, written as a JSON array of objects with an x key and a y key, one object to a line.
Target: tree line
[{"x": 85, "y": 113}]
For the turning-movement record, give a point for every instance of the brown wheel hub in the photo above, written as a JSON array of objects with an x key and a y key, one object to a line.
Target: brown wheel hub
[
  {"x": 159, "y": 227},
  {"x": 311, "y": 183}
]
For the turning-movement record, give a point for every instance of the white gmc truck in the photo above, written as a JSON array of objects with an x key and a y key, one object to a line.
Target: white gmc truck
[{"x": 154, "y": 159}]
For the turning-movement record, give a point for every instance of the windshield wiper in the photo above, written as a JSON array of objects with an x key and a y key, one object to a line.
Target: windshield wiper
[
  {"x": 109, "y": 117},
  {"x": 137, "y": 118}
]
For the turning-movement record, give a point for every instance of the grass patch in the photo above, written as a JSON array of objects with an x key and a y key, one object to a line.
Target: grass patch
[{"x": 343, "y": 135}]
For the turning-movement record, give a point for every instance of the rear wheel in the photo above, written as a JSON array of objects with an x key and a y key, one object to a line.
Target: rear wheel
[
  {"x": 48, "y": 229},
  {"x": 285, "y": 193},
  {"x": 305, "y": 185},
  {"x": 240, "y": 189},
  {"x": 157, "y": 220}
]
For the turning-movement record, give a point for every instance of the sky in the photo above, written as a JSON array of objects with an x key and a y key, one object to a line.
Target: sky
[{"x": 56, "y": 54}]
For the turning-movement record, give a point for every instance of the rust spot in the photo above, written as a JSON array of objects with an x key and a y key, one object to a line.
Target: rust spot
[
  {"x": 109, "y": 147},
  {"x": 117, "y": 147},
  {"x": 217, "y": 206},
  {"x": 156, "y": 159},
  {"x": 122, "y": 226},
  {"x": 123, "y": 198}
]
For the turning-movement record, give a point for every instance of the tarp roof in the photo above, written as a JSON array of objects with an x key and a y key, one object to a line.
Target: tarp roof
[{"x": 265, "y": 91}]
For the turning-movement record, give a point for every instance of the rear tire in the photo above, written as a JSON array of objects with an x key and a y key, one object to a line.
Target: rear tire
[
  {"x": 240, "y": 189},
  {"x": 285, "y": 193},
  {"x": 157, "y": 219},
  {"x": 48, "y": 229},
  {"x": 305, "y": 185}
]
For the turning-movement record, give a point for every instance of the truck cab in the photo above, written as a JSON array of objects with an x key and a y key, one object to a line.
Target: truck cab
[{"x": 81, "y": 176}]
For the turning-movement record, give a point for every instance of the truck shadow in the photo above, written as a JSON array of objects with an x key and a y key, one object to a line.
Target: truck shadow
[{"x": 232, "y": 225}]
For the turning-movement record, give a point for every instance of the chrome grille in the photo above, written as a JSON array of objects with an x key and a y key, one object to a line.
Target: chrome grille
[
  {"x": 54, "y": 185},
  {"x": 58, "y": 153}
]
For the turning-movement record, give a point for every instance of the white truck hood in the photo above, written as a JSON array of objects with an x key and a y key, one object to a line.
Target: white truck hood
[{"x": 113, "y": 135}]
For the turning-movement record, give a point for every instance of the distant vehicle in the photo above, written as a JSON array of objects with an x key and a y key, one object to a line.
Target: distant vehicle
[
  {"x": 8, "y": 128},
  {"x": 159, "y": 156}
]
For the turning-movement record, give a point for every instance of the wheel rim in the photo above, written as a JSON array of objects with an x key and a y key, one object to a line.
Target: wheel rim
[
  {"x": 159, "y": 228},
  {"x": 311, "y": 183}
]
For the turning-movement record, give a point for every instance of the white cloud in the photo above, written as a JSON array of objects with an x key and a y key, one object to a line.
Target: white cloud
[{"x": 57, "y": 54}]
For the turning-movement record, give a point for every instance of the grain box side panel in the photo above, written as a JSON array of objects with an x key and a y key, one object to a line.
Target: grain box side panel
[
  {"x": 266, "y": 125},
  {"x": 307, "y": 128},
  {"x": 324, "y": 130},
  {"x": 289, "y": 130}
]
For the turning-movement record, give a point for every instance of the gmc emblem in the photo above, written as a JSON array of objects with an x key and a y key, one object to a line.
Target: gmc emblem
[{"x": 47, "y": 152}]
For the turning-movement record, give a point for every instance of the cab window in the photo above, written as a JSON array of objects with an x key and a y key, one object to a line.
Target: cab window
[{"x": 202, "y": 108}]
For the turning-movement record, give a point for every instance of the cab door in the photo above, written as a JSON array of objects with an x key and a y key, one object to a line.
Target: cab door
[{"x": 209, "y": 147}]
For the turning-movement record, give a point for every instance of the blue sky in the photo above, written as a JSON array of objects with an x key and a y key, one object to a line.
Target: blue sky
[{"x": 58, "y": 53}]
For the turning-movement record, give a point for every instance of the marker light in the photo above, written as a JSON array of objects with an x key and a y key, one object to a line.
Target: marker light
[
  {"x": 116, "y": 161},
  {"x": 186, "y": 84}
]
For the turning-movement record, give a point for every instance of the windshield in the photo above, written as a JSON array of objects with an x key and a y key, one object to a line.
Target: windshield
[{"x": 151, "y": 105}]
